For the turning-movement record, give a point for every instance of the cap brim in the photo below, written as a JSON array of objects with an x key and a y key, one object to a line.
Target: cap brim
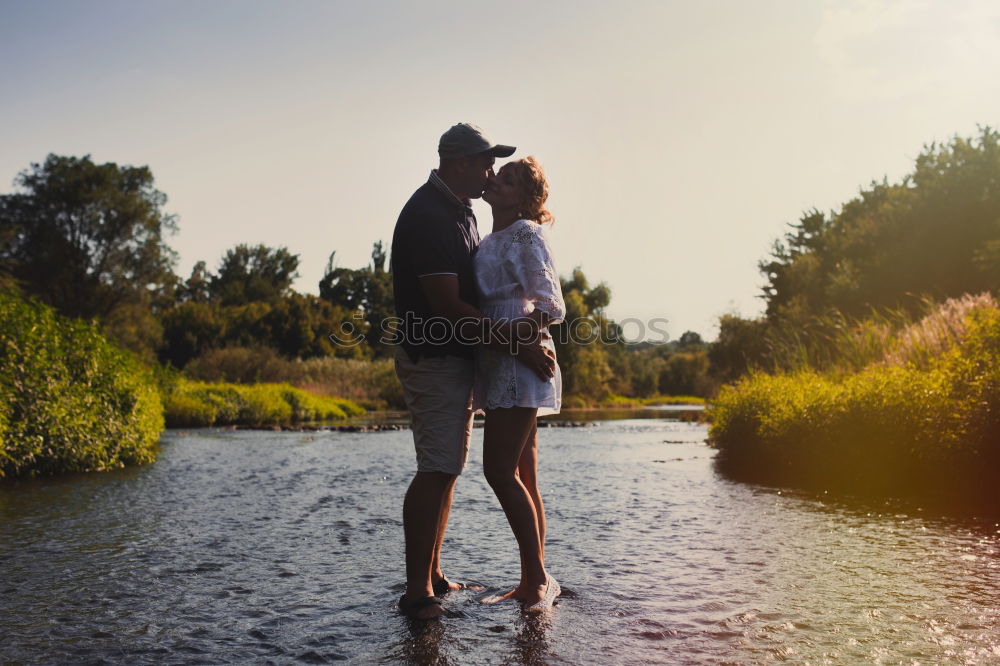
[{"x": 501, "y": 151}]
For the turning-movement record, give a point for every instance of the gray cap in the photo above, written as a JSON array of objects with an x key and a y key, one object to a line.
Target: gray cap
[{"x": 467, "y": 139}]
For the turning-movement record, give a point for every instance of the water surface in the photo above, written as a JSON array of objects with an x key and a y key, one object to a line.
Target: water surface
[{"x": 262, "y": 547}]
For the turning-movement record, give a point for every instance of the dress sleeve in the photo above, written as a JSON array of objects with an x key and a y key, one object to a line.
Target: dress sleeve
[{"x": 536, "y": 271}]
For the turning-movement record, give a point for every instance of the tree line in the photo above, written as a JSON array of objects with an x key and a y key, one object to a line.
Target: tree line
[
  {"x": 891, "y": 253},
  {"x": 90, "y": 240}
]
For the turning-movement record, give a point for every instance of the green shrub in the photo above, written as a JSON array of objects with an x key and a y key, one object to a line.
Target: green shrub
[
  {"x": 619, "y": 401},
  {"x": 926, "y": 426},
  {"x": 71, "y": 400},
  {"x": 263, "y": 404},
  {"x": 183, "y": 410},
  {"x": 657, "y": 400},
  {"x": 373, "y": 383},
  {"x": 193, "y": 404},
  {"x": 242, "y": 365}
]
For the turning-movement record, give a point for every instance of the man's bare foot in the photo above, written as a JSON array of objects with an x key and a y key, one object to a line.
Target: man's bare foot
[
  {"x": 443, "y": 586},
  {"x": 425, "y": 608}
]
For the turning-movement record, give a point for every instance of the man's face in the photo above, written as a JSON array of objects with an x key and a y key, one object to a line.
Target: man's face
[{"x": 477, "y": 171}]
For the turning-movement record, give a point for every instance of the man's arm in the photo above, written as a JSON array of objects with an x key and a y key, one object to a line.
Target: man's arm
[{"x": 443, "y": 297}]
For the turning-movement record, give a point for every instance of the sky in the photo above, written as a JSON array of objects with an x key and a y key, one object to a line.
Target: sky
[{"x": 679, "y": 138}]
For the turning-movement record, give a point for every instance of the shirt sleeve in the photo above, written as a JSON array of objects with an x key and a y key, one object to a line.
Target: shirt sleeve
[{"x": 536, "y": 271}]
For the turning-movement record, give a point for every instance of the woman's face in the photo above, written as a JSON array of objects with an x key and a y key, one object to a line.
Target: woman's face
[{"x": 503, "y": 190}]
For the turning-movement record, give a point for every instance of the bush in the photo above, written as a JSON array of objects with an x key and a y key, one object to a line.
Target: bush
[
  {"x": 372, "y": 383},
  {"x": 659, "y": 400},
  {"x": 620, "y": 401},
  {"x": 911, "y": 430},
  {"x": 71, "y": 401},
  {"x": 242, "y": 365},
  {"x": 193, "y": 404}
]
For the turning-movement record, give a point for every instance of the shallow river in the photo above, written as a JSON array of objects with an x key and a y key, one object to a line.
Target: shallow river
[{"x": 260, "y": 547}]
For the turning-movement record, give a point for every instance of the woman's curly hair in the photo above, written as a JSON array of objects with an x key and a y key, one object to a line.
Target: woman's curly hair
[{"x": 530, "y": 176}]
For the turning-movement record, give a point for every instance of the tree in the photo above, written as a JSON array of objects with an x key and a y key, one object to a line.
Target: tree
[
  {"x": 589, "y": 345},
  {"x": 366, "y": 290},
  {"x": 249, "y": 274},
  {"x": 690, "y": 339},
  {"x": 934, "y": 233},
  {"x": 742, "y": 344},
  {"x": 85, "y": 237},
  {"x": 198, "y": 287}
]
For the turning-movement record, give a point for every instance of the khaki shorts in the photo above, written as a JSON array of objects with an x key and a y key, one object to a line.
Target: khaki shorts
[{"x": 438, "y": 393}]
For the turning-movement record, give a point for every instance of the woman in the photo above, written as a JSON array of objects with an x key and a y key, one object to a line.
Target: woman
[{"x": 516, "y": 279}]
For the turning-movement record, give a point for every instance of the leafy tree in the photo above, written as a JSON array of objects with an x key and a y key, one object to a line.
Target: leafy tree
[
  {"x": 86, "y": 237},
  {"x": 684, "y": 373},
  {"x": 741, "y": 345},
  {"x": 935, "y": 233},
  {"x": 249, "y": 274},
  {"x": 690, "y": 340},
  {"x": 198, "y": 287},
  {"x": 189, "y": 330},
  {"x": 366, "y": 290},
  {"x": 589, "y": 345}
]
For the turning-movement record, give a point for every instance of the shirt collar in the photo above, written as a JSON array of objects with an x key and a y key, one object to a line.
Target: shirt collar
[{"x": 436, "y": 181}]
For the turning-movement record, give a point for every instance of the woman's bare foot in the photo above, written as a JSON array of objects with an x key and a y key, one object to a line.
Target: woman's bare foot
[{"x": 529, "y": 594}]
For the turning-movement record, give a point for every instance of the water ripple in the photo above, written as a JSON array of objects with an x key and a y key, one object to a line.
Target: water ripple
[{"x": 267, "y": 547}]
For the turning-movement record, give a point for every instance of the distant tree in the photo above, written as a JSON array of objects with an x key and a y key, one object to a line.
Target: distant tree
[
  {"x": 190, "y": 329},
  {"x": 250, "y": 274},
  {"x": 198, "y": 287},
  {"x": 589, "y": 346},
  {"x": 742, "y": 344},
  {"x": 86, "y": 237},
  {"x": 934, "y": 233},
  {"x": 365, "y": 290},
  {"x": 684, "y": 373},
  {"x": 690, "y": 339}
]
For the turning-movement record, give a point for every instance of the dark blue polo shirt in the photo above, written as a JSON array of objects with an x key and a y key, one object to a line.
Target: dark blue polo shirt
[{"x": 436, "y": 233}]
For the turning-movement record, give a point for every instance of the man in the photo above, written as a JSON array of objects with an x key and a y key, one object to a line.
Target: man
[{"x": 435, "y": 295}]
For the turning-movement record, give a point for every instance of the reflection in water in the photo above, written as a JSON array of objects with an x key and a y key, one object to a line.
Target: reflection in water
[
  {"x": 421, "y": 645},
  {"x": 281, "y": 547},
  {"x": 530, "y": 645}
]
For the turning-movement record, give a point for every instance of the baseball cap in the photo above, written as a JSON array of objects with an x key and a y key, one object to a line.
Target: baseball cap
[{"x": 467, "y": 139}]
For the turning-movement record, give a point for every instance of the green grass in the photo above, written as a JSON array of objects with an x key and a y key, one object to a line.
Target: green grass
[
  {"x": 659, "y": 400},
  {"x": 193, "y": 404},
  {"x": 917, "y": 422},
  {"x": 624, "y": 402}
]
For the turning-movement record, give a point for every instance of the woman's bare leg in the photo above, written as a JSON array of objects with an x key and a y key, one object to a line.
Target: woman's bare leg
[
  {"x": 527, "y": 470},
  {"x": 504, "y": 440}
]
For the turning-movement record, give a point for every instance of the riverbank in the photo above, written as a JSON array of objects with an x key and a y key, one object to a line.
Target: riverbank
[{"x": 928, "y": 430}]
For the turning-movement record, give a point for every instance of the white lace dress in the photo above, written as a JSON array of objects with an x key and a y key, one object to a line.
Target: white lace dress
[{"x": 515, "y": 274}]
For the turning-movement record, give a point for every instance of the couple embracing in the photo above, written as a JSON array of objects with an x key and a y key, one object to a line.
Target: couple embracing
[{"x": 475, "y": 317}]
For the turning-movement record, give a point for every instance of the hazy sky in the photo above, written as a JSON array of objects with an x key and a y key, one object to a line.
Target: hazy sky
[{"x": 679, "y": 137}]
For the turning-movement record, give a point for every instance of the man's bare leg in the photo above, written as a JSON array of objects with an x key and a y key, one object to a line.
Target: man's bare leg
[
  {"x": 436, "y": 571},
  {"x": 421, "y": 527}
]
